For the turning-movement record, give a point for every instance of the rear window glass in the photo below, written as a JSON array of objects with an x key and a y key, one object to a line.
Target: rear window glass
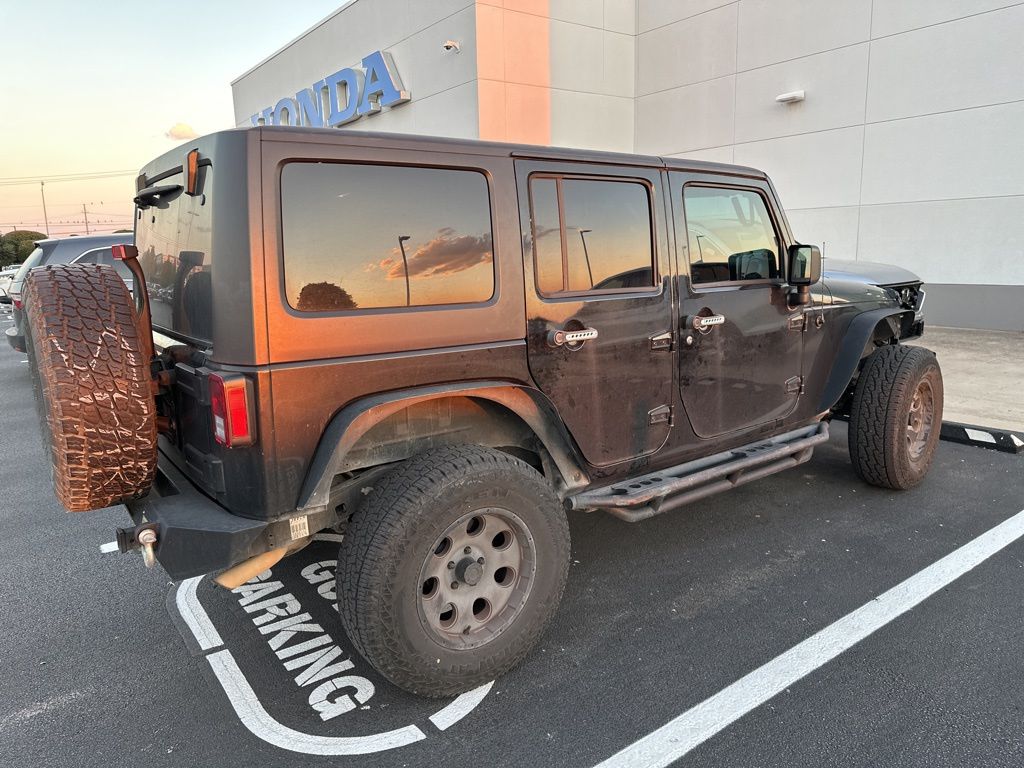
[
  {"x": 32, "y": 261},
  {"x": 380, "y": 236},
  {"x": 174, "y": 238}
]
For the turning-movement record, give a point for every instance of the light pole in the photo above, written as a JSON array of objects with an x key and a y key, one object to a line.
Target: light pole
[
  {"x": 586, "y": 255},
  {"x": 405, "y": 263},
  {"x": 46, "y": 221}
]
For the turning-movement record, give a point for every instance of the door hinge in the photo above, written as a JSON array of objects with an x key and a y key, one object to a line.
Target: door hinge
[
  {"x": 660, "y": 415},
  {"x": 661, "y": 342},
  {"x": 795, "y": 385},
  {"x": 798, "y": 322}
]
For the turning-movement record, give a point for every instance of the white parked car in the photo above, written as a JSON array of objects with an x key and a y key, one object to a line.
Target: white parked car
[{"x": 6, "y": 276}]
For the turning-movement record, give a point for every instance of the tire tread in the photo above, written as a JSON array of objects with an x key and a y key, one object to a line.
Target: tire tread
[
  {"x": 94, "y": 386},
  {"x": 886, "y": 384},
  {"x": 391, "y": 515}
]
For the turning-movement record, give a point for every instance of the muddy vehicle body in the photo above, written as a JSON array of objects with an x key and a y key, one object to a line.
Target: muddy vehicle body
[{"x": 438, "y": 347}]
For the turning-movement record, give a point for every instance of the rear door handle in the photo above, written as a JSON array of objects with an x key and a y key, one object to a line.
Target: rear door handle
[
  {"x": 571, "y": 339},
  {"x": 704, "y": 323}
]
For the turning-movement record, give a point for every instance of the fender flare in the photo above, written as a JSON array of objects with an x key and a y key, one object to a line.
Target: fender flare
[
  {"x": 859, "y": 333},
  {"x": 356, "y": 419}
]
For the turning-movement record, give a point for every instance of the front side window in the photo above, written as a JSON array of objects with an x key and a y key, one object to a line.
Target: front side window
[
  {"x": 591, "y": 235},
  {"x": 730, "y": 235},
  {"x": 375, "y": 236}
]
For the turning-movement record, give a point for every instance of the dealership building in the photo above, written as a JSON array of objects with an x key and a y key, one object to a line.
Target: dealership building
[{"x": 891, "y": 128}]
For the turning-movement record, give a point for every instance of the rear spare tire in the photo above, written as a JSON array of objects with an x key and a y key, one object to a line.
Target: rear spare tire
[
  {"x": 94, "y": 391},
  {"x": 896, "y": 416},
  {"x": 450, "y": 572}
]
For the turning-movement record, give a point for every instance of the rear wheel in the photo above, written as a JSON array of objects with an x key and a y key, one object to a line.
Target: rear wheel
[
  {"x": 93, "y": 385},
  {"x": 896, "y": 416},
  {"x": 450, "y": 572}
]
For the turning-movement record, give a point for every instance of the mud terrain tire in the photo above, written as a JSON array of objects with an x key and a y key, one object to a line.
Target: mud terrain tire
[
  {"x": 93, "y": 385},
  {"x": 401, "y": 530},
  {"x": 896, "y": 417}
]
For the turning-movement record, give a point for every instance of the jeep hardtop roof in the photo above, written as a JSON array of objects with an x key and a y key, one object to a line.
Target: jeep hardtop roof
[{"x": 343, "y": 136}]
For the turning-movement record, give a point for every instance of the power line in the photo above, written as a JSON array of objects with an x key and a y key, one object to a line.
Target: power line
[
  {"x": 15, "y": 182},
  {"x": 50, "y": 177},
  {"x": 58, "y": 205}
]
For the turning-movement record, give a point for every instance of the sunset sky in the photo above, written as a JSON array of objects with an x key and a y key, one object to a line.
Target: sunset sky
[{"x": 99, "y": 87}]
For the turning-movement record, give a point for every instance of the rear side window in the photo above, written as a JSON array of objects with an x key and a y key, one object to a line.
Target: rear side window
[
  {"x": 591, "y": 235},
  {"x": 730, "y": 234},
  {"x": 383, "y": 236},
  {"x": 106, "y": 257}
]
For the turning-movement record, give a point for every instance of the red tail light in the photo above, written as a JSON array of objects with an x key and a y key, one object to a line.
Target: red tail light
[
  {"x": 231, "y": 404},
  {"x": 17, "y": 301},
  {"x": 124, "y": 251}
]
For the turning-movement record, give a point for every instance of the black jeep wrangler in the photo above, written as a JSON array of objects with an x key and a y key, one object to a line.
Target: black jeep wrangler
[{"x": 440, "y": 347}]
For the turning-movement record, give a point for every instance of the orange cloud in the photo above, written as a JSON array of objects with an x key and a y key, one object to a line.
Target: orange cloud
[
  {"x": 446, "y": 254},
  {"x": 181, "y": 132}
]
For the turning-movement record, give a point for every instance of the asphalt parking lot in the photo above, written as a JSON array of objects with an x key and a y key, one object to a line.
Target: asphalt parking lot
[{"x": 105, "y": 664}]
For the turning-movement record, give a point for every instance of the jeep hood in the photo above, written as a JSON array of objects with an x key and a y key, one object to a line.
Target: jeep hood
[{"x": 868, "y": 272}]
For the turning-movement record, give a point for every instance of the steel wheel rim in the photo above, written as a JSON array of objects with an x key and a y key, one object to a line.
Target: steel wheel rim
[
  {"x": 487, "y": 596},
  {"x": 920, "y": 419}
]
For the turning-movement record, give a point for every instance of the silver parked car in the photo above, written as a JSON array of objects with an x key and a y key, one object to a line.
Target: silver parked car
[{"x": 90, "y": 248}]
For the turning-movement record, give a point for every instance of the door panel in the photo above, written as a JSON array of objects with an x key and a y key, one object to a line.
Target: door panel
[
  {"x": 613, "y": 277},
  {"x": 743, "y": 371}
]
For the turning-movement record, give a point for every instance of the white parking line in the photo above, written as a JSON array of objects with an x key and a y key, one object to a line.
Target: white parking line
[
  {"x": 192, "y": 612},
  {"x": 261, "y": 723},
  {"x": 462, "y": 706},
  {"x": 252, "y": 714},
  {"x": 697, "y": 725}
]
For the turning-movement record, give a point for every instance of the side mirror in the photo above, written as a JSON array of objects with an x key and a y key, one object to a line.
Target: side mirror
[
  {"x": 803, "y": 272},
  {"x": 804, "y": 265}
]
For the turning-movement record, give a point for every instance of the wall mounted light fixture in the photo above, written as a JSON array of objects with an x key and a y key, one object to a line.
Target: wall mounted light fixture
[{"x": 790, "y": 98}]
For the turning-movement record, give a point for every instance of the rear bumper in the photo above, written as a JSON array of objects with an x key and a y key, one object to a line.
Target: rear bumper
[
  {"x": 196, "y": 536},
  {"x": 15, "y": 339}
]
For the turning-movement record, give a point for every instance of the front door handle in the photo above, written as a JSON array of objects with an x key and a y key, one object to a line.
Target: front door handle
[
  {"x": 571, "y": 339},
  {"x": 704, "y": 323}
]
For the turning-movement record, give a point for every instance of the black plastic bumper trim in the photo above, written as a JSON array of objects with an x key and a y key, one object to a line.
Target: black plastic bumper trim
[{"x": 16, "y": 340}]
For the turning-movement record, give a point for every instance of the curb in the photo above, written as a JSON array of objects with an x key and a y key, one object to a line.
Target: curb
[
  {"x": 1002, "y": 440},
  {"x": 982, "y": 437}
]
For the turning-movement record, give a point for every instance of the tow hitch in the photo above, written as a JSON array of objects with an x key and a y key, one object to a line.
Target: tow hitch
[{"x": 140, "y": 537}]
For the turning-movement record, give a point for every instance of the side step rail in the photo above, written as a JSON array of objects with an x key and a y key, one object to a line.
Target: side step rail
[{"x": 648, "y": 495}]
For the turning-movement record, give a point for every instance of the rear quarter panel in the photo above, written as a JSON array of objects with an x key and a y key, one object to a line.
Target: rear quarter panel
[{"x": 321, "y": 362}]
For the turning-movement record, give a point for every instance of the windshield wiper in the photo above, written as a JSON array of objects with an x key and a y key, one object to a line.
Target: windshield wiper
[{"x": 157, "y": 194}]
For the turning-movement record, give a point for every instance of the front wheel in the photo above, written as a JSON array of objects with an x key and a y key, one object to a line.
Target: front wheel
[
  {"x": 896, "y": 417},
  {"x": 449, "y": 574}
]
